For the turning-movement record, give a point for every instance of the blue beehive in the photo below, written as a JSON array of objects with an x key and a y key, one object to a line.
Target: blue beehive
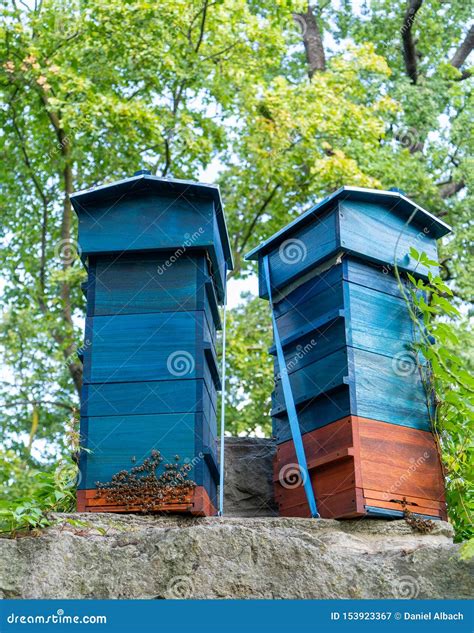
[
  {"x": 157, "y": 252},
  {"x": 346, "y": 332}
]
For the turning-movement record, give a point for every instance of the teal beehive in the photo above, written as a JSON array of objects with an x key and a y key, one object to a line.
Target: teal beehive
[
  {"x": 344, "y": 333},
  {"x": 157, "y": 252}
]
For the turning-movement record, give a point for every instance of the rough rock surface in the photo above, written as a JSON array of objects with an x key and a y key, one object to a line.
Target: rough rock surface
[
  {"x": 248, "y": 473},
  {"x": 114, "y": 556}
]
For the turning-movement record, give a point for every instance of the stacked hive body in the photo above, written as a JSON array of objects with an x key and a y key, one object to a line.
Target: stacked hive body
[
  {"x": 346, "y": 335},
  {"x": 156, "y": 252}
]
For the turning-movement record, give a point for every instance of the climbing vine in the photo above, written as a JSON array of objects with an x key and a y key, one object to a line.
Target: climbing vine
[{"x": 448, "y": 384}]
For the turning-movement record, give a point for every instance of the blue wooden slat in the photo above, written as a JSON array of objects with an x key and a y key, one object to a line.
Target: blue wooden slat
[
  {"x": 315, "y": 379},
  {"x": 134, "y": 398},
  {"x": 396, "y": 202},
  {"x": 376, "y": 233},
  {"x": 313, "y": 286},
  {"x": 377, "y": 277},
  {"x": 150, "y": 222},
  {"x": 388, "y": 391},
  {"x": 114, "y": 442},
  {"x": 379, "y": 322},
  {"x": 380, "y": 387},
  {"x": 315, "y": 345},
  {"x": 306, "y": 248},
  {"x": 314, "y": 413},
  {"x": 313, "y": 307},
  {"x": 211, "y": 303},
  {"x": 161, "y": 346},
  {"x": 132, "y": 284},
  {"x": 385, "y": 513}
]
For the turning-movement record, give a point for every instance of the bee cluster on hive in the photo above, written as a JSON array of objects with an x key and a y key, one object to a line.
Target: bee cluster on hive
[{"x": 142, "y": 488}]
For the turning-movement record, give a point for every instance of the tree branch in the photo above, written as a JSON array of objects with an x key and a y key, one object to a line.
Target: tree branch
[
  {"x": 312, "y": 40},
  {"x": 451, "y": 188},
  {"x": 75, "y": 369},
  {"x": 409, "y": 50},
  {"x": 39, "y": 189},
  {"x": 464, "y": 50},
  {"x": 19, "y": 403},
  {"x": 240, "y": 248},
  {"x": 202, "y": 26}
]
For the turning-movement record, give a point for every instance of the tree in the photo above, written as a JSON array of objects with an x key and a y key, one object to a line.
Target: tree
[
  {"x": 367, "y": 113},
  {"x": 291, "y": 100},
  {"x": 92, "y": 91}
]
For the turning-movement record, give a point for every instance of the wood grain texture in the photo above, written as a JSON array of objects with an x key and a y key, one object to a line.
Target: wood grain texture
[
  {"x": 357, "y": 462},
  {"x": 135, "y": 398},
  {"x": 146, "y": 282},
  {"x": 399, "y": 460},
  {"x": 141, "y": 347},
  {"x": 374, "y": 276},
  {"x": 311, "y": 347},
  {"x": 379, "y": 322},
  {"x": 387, "y": 391},
  {"x": 377, "y": 233},
  {"x": 120, "y": 442},
  {"x": 348, "y": 504},
  {"x": 305, "y": 288},
  {"x": 312, "y": 380},
  {"x": 198, "y": 504},
  {"x": 307, "y": 247},
  {"x": 144, "y": 221},
  {"x": 313, "y": 414}
]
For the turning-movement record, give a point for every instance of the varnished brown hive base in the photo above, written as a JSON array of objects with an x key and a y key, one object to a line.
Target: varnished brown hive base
[
  {"x": 197, "y": 503},
  {"x": 359, "y": 466}
]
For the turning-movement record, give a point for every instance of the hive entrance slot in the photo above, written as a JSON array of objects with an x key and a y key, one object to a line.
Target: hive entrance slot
[{"x": 403, "y": 502}]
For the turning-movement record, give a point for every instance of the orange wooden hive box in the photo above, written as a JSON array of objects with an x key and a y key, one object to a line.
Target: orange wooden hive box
[
  {"x": 196, "y": 503},
  {"x": 359, "y": 466}
]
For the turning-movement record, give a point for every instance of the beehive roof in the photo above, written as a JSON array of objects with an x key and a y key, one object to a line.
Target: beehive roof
[
  {"x": 173, "y": 186},
  {"x": 395, "y": 200}
]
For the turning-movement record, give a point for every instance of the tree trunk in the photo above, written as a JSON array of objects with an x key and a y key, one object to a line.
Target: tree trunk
[{"x": 313, "y": 41}]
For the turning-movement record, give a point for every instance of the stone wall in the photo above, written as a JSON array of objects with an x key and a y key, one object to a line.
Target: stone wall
[{"x": 249, "y": 553}]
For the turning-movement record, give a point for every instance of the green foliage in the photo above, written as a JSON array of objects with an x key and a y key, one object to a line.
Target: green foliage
[
  {"x": 466, "y": 551},
  {"x": 449, "y": 387},
  {"x": 249, "y": 337},
  {"x": 45, "y": 492}
]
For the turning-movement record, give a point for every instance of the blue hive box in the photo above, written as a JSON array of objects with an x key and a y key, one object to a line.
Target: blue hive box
[
  {"x": 157, "y": 252},
  {"x": 345, "y": 329}
]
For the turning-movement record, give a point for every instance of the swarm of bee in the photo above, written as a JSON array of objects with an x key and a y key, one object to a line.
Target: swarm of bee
[
  {"x": 422, "y": 525},
  {"x": 142, "y": 488}
]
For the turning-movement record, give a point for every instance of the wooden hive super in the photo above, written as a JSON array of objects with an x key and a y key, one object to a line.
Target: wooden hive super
[
  {"x": 346, "y": 335},
  {"x": 156, "y": 251}
]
